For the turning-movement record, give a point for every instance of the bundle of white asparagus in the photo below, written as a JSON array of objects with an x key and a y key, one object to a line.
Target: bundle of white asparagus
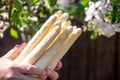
[{"x": 51, "y": 42}]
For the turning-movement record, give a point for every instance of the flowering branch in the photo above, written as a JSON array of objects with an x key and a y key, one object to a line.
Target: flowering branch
[{"x": 98, "y": 18}]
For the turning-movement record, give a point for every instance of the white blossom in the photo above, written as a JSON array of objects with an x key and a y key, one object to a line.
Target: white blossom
[
  {"x": 106, "y": 28},
  {"x": 91, "y": 11},
  {"x": 96, "y": 13},
  {"x": 97, "y": 10},
  {"x": 108, "y": 7},
  {"x": 117, "y": 27},
  {"x": 5, "y": 15},
  {"x": 47, "y": 4},
  {"x": 103, "y": 1}
]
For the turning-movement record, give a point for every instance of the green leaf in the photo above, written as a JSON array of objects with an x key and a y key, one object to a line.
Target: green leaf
[
  {"x": 90, "y": 28},
  {"x": 17, "y": 5},
  {"x": 84, "y": 2},
  {"x": 93, "y": 36},
  {"x": 34, "y": 1},
  {"x": 15, "y": 17},
  {"x": 52, "y": 2},
  {"x": 29, "y": 2},
  {"x": 14, "y": 33}
]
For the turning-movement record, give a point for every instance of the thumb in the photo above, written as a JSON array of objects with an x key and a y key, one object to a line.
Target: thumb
[{"x": 13, "y": 53}]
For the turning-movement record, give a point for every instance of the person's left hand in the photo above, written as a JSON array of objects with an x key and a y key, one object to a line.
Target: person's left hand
[{"x": 13, "y": 53}]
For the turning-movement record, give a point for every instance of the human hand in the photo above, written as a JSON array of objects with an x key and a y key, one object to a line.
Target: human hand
[
  {"x": 52, "y": 75},
  {"x": 13, "y": 71}
]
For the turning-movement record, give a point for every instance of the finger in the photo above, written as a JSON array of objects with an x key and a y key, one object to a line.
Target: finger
[
  {"x": 13, "y": 53},
  {"x": 17, "y": 52},
  {"x": 16, "y": 75},
  {"x": 58, "y": 66},
  {"x": 52, "y": 75},
  {"x": 32, "y": 70},
  {"x": 10, "y": 52},
  {"x": 25, "y": 77}
]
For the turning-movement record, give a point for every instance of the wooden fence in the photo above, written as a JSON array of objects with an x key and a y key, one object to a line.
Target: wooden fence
[{"x": 92, "y": 59}]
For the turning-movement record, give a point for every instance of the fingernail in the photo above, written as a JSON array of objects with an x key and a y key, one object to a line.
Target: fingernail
[{"x": 22, "y": 44}]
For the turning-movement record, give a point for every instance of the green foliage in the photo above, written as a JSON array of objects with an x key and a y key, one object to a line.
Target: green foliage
[
  {"x": 76, "y": 10},
  {"x": 90, "y": 28},
  {"x": 14, "y": 33},
  {"x": 84, "y": 2},
  {"x": 28, "y": 15},
  {"x": 52, "y": 2},
  {"x": 115, "y": 16},
  {"x": 93, "y": 36}
]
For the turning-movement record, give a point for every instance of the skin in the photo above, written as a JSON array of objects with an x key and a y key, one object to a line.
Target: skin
[{"x": 9, "y": 70}]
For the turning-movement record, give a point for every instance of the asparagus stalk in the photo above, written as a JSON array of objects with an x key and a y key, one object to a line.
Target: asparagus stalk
[
  {"x": 64, "y": 17},
  {"x": 65, "y": 46},
  {"x": 59, "y": 14},
  {"x": 60, "y": 18},
  {"x": 50, "y": 52},
  {"x": 51, "y": 42},
  {"x": 35, "y": 40},
  {"x": 34, "y": 55}
]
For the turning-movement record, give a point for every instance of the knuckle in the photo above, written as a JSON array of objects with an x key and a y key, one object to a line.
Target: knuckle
[
  {"x": 54, "y": 75},
  {"x": 11, "y": 76},
  {"x": 30, "y": 67},
  {"x": 12, "y": 67}
]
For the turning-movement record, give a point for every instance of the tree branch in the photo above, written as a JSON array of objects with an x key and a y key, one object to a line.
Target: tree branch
[{"x": 10, "y": 10}]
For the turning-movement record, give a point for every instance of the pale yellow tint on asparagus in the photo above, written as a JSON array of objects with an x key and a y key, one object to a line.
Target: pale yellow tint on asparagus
[
  {"x": 51, "y": 42},
  {"x": 48, "y": 26},
  {"x": 64, "y": 17},
  {"x": 50, "y": 52},
  {"x": 34, "y": 55},
  {"x": 59, "y": 14},
  {"x": 60, "y": 18},
  {"x": 65, "y": 24},
  {"x": 65, "y": 46},
  {"x": 36, "y": 38}
]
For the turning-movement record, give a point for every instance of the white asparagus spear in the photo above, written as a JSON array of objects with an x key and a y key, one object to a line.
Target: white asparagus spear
[
  {"x": 66, "y": 23},
  {"x": 61, "y": 17},
  {"x": 59, "y": 14},
  {"x": 34, "y": 55},
  {"x": 64, "y": 48},
  {"x": 34, "y": 41},
  {"x": 47, "y": 27},
  {"x": 74, "y": 27},
  {"x": 64, "y": 17},
  {"x": 50, "y": 52}
]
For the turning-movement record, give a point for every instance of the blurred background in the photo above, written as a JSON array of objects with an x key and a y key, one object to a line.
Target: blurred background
[{"x": 88, "y": 59}]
